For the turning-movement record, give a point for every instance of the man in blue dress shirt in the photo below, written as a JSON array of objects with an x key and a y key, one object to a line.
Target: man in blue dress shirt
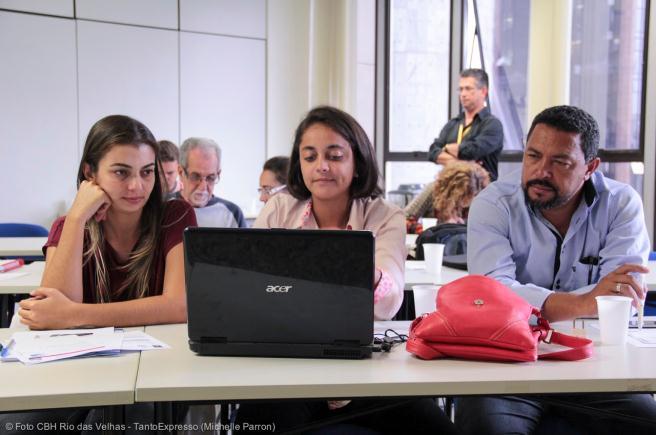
[{"x": 562, "y": 236}]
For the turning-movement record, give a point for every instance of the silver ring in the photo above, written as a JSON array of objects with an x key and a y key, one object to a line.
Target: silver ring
[{"x": 618, "y": 288}]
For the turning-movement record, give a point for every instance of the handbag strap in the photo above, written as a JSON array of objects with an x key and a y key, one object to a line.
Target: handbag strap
[{"x": 581, "y": 348}]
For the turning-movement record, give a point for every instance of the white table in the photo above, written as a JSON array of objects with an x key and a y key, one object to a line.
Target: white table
[
  {"x": 81, "y": 382},
  {"x": 22, "y": 280},
  {"x": 415, "y": 273},
  {"x": 177, "y": 374},
  {"x": 18, "y": 281},
  {"x": 22, "y": 246}
]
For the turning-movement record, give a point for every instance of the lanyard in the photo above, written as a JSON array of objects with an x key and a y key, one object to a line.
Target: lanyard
[{"x": 462, "y": 131}]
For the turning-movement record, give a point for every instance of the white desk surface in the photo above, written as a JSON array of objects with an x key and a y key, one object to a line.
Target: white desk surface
[
  {"x": 177, "y": 374},
  {"x": 21, "y": 246},
  {"x": 22, "y": 283},
  {"x": 415, "y": 273},
  {"x": 101, "y": 381}
]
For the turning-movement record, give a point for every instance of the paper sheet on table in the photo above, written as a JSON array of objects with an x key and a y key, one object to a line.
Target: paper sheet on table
[
  {"x": 34, "y": 347},
  {"x": 138, "y": 340},
  {"x": 642, "y": 337},
  {"x": 8, "y": 276}
]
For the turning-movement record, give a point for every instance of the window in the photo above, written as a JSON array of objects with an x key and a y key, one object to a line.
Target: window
[
  {"x": 606, "y": 68},
  {"x": 503, "y": 34},
  {"x": 418, "y": 98},
  {"x": 607, "y": 63},
  {"x": 605, "y": 72},
  {"x": 604, "y": 75}
]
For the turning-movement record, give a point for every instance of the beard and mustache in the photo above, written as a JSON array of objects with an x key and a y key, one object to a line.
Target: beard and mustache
[{"x": 556, "y": 201}]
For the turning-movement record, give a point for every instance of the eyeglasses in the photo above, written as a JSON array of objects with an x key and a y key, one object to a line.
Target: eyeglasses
[
  {"x": 196, "y": 178},
  {"x": 270, "y": 190}
]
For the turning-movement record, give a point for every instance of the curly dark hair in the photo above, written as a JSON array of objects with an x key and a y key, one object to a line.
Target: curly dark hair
[
  {"x": 571, "y": 119},
  {"x": 365, "y": 184},
  {"x": 456, "y": 186}
]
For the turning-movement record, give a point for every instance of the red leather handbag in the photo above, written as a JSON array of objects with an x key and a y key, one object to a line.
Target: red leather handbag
[{"x": 481, "y": 319}]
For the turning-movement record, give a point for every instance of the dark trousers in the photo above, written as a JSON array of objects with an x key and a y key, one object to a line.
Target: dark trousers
[
  {"x": 400, "y": 416},
  {"x": 553, "y": 414}
]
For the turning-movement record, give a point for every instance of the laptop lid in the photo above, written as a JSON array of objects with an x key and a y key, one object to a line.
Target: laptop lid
[{"x": 279, "y": 286}]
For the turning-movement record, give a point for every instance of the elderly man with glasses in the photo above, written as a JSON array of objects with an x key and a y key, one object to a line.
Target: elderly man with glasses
[{"x": 200, "y": 169}]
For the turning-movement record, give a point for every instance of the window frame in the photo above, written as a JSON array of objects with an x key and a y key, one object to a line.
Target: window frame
[{"x": 458, "y": 14}]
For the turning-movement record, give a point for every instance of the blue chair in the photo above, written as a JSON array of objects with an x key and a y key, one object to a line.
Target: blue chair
[
  {"x": 650, "y": 302},
  {"x": 22, "y": 230}
]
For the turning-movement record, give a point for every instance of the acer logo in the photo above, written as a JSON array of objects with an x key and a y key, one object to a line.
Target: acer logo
[{"x": 278, "y": 288}]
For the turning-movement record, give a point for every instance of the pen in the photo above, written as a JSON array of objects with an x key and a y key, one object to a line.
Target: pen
[
  {"x": 79, "y": 334},
  {"x": 11, "y": 265},
  {"x": 641, "y": 305},
  {"x": 5, "y": 348}
]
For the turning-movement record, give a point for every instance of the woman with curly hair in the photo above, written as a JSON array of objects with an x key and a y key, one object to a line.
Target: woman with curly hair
[{"x": 455, "y": 189}]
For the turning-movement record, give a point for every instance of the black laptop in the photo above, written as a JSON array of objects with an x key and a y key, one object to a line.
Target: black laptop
[{"x": 276, "y": 292}]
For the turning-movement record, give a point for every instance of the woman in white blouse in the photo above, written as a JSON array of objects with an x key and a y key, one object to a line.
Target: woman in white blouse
[{"x": 333, "y": 184}]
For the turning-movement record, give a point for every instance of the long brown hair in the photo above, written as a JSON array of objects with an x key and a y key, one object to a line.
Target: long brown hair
[{"x": 108, "y": 132}]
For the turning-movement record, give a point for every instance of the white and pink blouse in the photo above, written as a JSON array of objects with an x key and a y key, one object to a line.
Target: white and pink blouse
[{"x": 384, "y": 220}]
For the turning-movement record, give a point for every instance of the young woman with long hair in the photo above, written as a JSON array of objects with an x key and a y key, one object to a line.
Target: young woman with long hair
[{"x": 116, "y": 258}]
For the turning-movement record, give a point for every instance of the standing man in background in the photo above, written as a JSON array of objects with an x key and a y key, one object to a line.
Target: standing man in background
[
  {"x": 475, "y": 134},
  {"x": 200, "y": 170}
]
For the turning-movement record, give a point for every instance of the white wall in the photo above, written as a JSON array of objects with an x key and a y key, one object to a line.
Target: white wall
[
  {"x": 154, "y": 13},
  {"x": 287, "y": 72},
  {"x": 131, "y": 71},
  {"x": 318, "y": 52},
  {"x": 224, "y": 100},
  {"x": 238, "y": 71},
  {"x": 245, "y": 18},
  {"x": 38, "y": 117},
  {"x": 62, "y": 8},
  {"x": 60, "y": 75},
  {"x": 365, "y": 81}
]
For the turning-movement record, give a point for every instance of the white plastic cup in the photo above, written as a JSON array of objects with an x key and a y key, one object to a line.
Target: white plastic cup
[
  {"x": 433, "y": 253},
  {"x": 425, "y": 298},
  {"x": 428, "y": 222},
  {"x": 613, "y": 318}
]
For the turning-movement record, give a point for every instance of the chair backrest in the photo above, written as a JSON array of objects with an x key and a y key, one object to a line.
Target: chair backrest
[
  {"x": 22, "y": 230},
  {"x": 453, "y": 236},
  {"x": 650, "y": 303}
]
